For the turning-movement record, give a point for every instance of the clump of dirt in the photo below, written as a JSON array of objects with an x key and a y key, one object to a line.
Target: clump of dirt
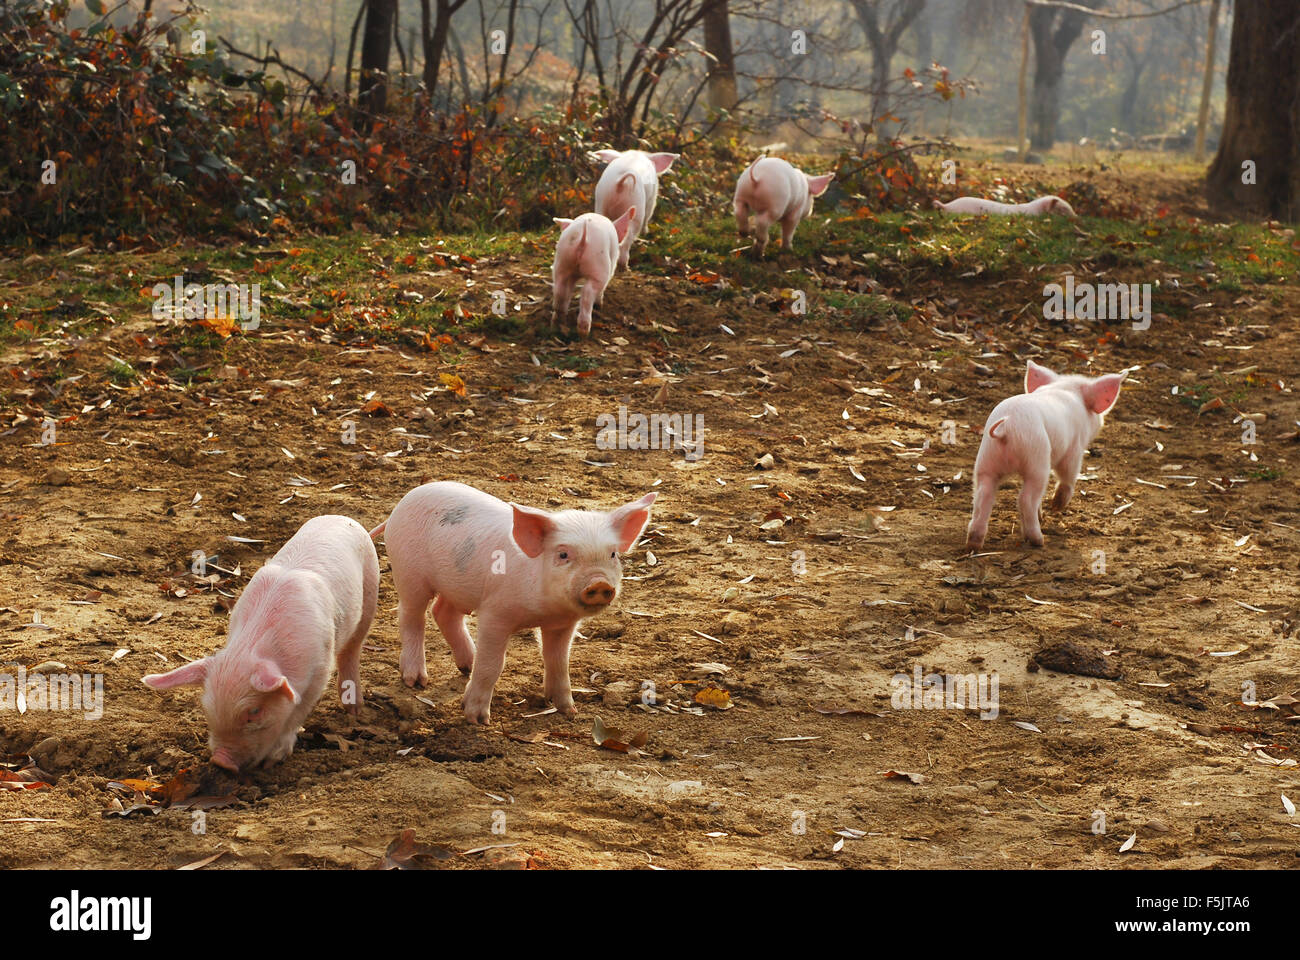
[{"x": 1071, "y": 657}]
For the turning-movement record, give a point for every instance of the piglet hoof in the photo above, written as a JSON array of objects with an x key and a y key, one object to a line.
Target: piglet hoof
[
  {"x": 481, "y": 715},
  {"x": 415, "y": 680},
  {"x": 465, "y": 671},
  {"x": 1035, "y": 542},
  {"x": 973, "y": 545}
]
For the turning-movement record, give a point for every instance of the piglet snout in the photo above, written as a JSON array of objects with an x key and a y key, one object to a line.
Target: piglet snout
[
  {"x": 598, "y": 594},
  {"x": 222, "y": 758}
]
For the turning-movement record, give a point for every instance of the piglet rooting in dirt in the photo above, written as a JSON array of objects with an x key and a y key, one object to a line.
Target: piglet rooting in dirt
[
  {"x": 516, "y": 566},
  {"x": 587, "y": 250},
  {"x": 310, "y": 605},
  {"x": 1046, "y": 429},
  {"x": 1034, "y": 208},
  {"x": 772, "y": 191}
]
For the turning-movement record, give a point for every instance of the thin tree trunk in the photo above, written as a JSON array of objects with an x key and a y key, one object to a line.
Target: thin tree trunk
[
  {"x": 1022, "y": 112},
  {"x": 376, "y": 43},
  {"x": 352, "y": 49},
  {"x": 722, "y": 66},
  {"x": 1207, "y": 83}
]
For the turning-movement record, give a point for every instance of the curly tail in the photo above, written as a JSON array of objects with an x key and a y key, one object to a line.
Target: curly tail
[
  {"x": 993, "y": 429},
  {"x": 374, "y": 534}
]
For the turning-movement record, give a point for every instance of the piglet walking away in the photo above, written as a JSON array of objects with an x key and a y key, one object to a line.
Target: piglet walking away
[
  {"x": 772, "y": 191},
  {"x": 515, "y": 566},
  {"x": 1048, "y": 428},
  {"x": 310, "y": 605},
  {"x": 587, "y": 250},
  {"x": 1034, "y": 208},
  {"x": 631, "y": 180}
]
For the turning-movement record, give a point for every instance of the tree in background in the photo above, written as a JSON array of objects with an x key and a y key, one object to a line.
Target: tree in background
[
  {"x": 883, "y": 37},
  {"x": 376, "y": 43},
  {"x": 1053, "y": 30},
  {"x": 722, "y": 60},
  {"x": 433, "y": 37},
  {"x": 1261, "y": 122}
]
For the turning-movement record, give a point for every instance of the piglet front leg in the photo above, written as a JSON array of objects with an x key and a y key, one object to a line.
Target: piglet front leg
[
  {"x": 556, "y": 643},
  {"x": 489, "y": 661}
]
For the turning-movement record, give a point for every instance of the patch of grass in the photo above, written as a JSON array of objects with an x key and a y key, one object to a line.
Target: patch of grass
[
  {"x": 1267, "y": 474},
  {"x": 121, "y": 372},
  {"x": 864, "y": 310}
]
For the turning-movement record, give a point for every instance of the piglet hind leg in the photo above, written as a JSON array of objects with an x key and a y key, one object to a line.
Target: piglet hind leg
[
  {"x": 590, "y": 291},
  {"x": 787, "y": 232},
  {"x": 560, "y": 297},
  {"x": 452, "y": 624},
  {"x": 349, "y": 655},
  {"x": 1031, "y": 498},
  {"x": 489, "y": 661},
  {"x": 986, "y": 491},
  {"x": 349, "y": 665},
  {"x": 555, "y": 660},
  {"x": 410, "y": 623},
  {"x": 1067, "y": 475}
]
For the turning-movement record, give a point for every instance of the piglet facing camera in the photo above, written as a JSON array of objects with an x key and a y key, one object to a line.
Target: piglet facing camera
[
  {"x": 1046, "y": 429},
  {"x": 516, "y": 566},
  {"x": 310, "y": 605}
]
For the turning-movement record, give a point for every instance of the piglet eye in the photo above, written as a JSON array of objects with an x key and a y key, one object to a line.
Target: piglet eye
[
  {"x": 254, "y": 713},
  {"x": 564, "y": 555}
]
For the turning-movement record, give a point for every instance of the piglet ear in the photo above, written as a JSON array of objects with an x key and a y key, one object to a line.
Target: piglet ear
[
  {"x": 624, "y": 223},
  {"x": 1100, "y": 394},
  {"x": 562, "y": 221},
  {"x": 629, "y": 520},
  {"x": 603, "y": 156},
  {"x": 530, "y": 529},
  {"x": 817, "y": 185},
  {"x": 1037, "y": 376},
  {"x": 663, "y": 161},
  {"x": 267, "y": 678},
  {"x": 192, "y": 674}
]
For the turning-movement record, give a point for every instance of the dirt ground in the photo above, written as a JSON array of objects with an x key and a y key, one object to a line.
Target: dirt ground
[{"x": 1174, "y": 573}]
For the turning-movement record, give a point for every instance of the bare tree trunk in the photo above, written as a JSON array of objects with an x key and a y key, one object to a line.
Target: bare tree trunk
[
  {"x": 1022, "y": 111},
  {"x": 1054, "y": 31},
  {"x": 1207, "y": 83},
  {"x": 376, "y": 43},
  {"x": 722, "y": 66},
  {"x": 352, "y": 49},
  {"x": 884, "y": 44},
  {"x": 434, "y": 38},
  {"x": 1261, "y": 120}
]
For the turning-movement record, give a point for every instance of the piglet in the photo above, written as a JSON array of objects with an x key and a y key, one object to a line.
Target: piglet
[
  {"x": 631, "y": 180},
  {"x": 771, "y": 190},
  {"x": 1045, "y": 429},
  {"x": 515, "y": 566},
  {"x": 311, "y": 604},
  {"x": 587, "y": 250},
  {"x": 1034, "y": 208}
]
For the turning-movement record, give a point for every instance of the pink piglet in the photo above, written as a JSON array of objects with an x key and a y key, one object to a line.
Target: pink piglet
[{"x": 1046, "y": 429}]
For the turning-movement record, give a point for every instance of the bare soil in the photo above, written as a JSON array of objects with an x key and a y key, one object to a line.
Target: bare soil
[{"x": 1176, "y": 565}]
